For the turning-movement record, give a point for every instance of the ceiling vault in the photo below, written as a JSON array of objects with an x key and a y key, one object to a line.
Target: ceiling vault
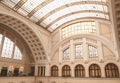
[
  {"x": 68, "y": 5},
  {"x": 76, "y": 12},
  {"x": 50, "y": 14}
]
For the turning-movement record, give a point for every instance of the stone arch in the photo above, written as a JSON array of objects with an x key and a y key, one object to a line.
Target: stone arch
[
  {"x": 26, "y": 33},
  {"x": 91, "y": 36}
]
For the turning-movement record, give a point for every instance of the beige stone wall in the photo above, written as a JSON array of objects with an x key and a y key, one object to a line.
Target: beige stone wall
[
  {"x": 17, "y": 80},
  {"x": 77, "y": 80},
  {"x": 57, "y": 80}
]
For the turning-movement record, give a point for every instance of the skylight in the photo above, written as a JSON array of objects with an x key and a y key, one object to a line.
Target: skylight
[{"x": 53, "y": 13}]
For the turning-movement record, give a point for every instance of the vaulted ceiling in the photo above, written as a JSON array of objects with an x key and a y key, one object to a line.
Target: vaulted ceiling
[{"x": 50, "y": 14}]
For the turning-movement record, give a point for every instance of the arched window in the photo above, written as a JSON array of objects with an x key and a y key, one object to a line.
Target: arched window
[
  {"x": 111, "y": 71},
  {"x": 4, "y": 71},
  {"x": 9, "y": 49},
  {"x": 78, "y": 49},
  {"x": 66, "y": 71},
  {"x": 94, "y": 71},
  {"x": 16, "y": 72},
  {"x": 79, "y": 28},
  {"x": 92, "y": 51},
  {"x": 54, "y": 70},
  {"x": 66, "y": 54},
  {"x": 79, "y": 71}
]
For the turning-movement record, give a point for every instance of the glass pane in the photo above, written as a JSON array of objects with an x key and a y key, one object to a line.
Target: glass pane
[
  {"x": 78, "y": 51},
  {"x": 17, "y": 53},
  {"x": 79, "y": 28},
  {"x": 92, "y": 51},
  {"x": 66, "y": 54},
  {"x": 1, "y": 39},
  {"x": 7, "y": 48}
]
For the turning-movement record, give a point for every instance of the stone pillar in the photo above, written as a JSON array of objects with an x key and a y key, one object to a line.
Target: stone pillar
[
  {"x": 36, "y": 70},
  {"x": 87, "y": 71},
  {"x": 47, "y": 71},
  {"x": 85, "y": 50},
  {"x": 97, "y": 27},
  {"x": 60, "y": 71},
  {"x": 72, "y": 72},
  {"x": 60, "y": 55},
  {"x": 100, "y": 51},
  {"x": 102, "y": 71},
  {"x": 72, "y": 52}
]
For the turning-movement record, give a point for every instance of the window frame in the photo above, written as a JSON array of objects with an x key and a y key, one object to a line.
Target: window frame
[
  {"x": 66, "y": 71},
  {"x": 54, "y": 71},
  {"x": 111, "y": 71},
  {"x": 94, "y": 71},
  {"x": 79, "y": 71}
]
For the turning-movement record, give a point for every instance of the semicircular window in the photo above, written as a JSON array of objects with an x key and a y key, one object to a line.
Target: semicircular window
[
  {"x": 9, "y": 49},
  {"x": 79, "y": 28}
]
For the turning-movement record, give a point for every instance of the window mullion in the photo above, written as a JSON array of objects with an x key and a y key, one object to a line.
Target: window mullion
[
  {"x": 13, "y": 49},
  {"x": 1, "y": 48}
]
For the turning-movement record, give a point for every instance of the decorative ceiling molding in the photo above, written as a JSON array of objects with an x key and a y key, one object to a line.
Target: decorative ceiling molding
[
  {"x": 39, "y": 7},
  {"x": 19, "y": 4},
  {"x": 80, "y": 19},
  {"x": 76, "y": 12},
  {"x": 68, "y": 5}
]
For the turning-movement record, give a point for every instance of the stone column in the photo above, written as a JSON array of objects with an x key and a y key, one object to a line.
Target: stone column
[
  {"x": 72, "y": 72},
  {"x": 100, "y": 51},
  {"x": 87, "y": 71},
  {"x": 47, "y": 71},
  {"x": 60, "y": 55},
  {"x": 36, "y": 70},
  {"x": 97, "y": 27},
  {"x": 60, "y": 71},
  {"x": 72, "y": 52},
  {"x": 85, "y": 50},
  {"x": 102, "y": 71}
]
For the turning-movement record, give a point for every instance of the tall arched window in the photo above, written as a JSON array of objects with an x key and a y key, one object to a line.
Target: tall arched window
[
  {"x": 54, "y": 70},
  {"x": 79, "y": 71},
  {"x": 94, "y": 71},
  {"x": 9, "y": 49},
  {"x": 66, "y": 54},
  {"x": 78, "y": 49},
  {"x": 66, "y": 71},
  {"x": 111, "y": 71},
  {"x": 92, "y": 51},
  {"x": 4, "y": 71}
]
